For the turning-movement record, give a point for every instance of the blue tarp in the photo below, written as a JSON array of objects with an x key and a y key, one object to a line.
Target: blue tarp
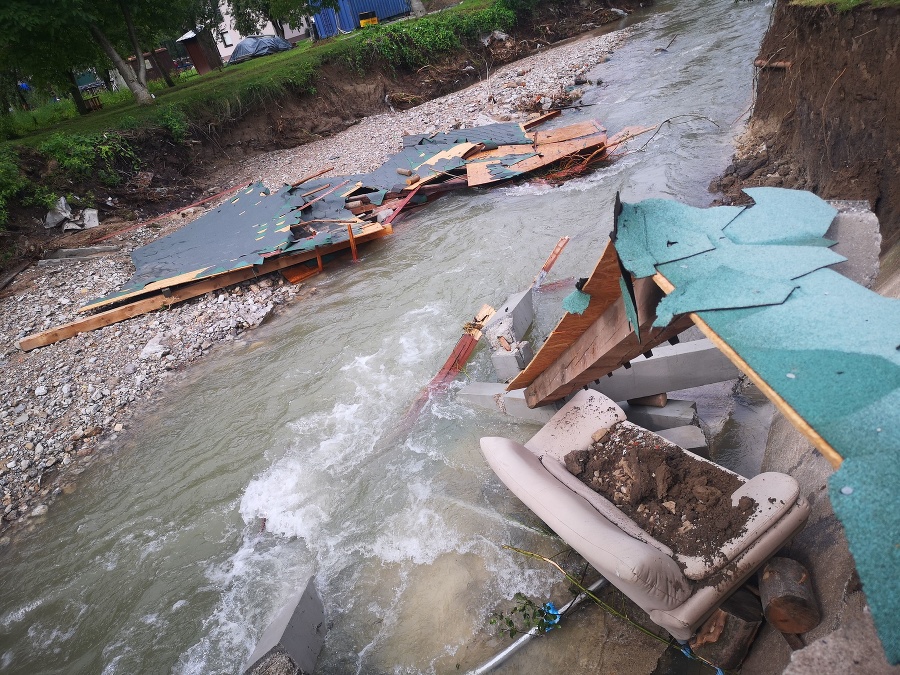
[
  {"x": 346, "y": 16},
  {"x": 258, "y": 45}
]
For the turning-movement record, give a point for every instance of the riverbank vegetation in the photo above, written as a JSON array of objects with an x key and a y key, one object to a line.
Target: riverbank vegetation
[{"x": 199, "y": 106}]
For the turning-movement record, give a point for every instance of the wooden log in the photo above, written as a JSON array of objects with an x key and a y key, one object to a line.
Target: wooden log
[
  {"x": 412, "y": 180},
  {"x": 726, "y": 636},
  {"x": 404, "y": 172},
  {"x": 787, "y": 596}
]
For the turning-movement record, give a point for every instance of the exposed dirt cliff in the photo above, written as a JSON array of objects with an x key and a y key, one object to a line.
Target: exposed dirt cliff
[{"x": 826, "y": 113}]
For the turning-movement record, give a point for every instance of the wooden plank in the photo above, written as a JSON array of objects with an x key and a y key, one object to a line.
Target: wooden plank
[
  {"x": 187, "y": 292},
  {"x": 149, "y": 289},
  {"x": 478, "y": 173},
  {"x": 568, "y": 133},
  {"x": 783, "y": 406},
  {"x": 605, "y": 346},
  {"x": 530, "y": 124},
  {"x": 603, "y": 287},
  {"x": 310, "y": 176}
]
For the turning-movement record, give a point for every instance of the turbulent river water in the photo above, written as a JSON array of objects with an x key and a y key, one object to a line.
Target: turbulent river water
[{"x": 157, "y": 563}]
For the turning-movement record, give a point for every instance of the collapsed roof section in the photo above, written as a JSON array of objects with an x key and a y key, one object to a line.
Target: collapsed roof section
[
  {"x": 257, "y": 231},
  {"x": 756, "y": 281}
]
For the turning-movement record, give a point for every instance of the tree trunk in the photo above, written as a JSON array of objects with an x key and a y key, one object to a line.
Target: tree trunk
[
  {"x": 135, "y": 44},
  {"x": 159, "y": 69},
  {"x": 141, "y": 93},
  {"x": 277, "y": 25},
  {"x": 104, "y": 75},
  {"x": 80, "y": 105}
]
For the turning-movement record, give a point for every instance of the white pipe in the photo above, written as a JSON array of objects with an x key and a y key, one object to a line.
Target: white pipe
[{"x": 500, "y": 657}]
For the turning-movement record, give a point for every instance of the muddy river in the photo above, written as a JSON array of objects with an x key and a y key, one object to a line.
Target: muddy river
[{"x": 157, "y": 563}]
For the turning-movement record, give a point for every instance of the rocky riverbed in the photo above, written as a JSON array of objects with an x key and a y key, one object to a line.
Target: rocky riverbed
[{"x": 62, "y": 405}]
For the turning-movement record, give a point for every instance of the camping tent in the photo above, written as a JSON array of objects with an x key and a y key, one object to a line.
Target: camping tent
[{"x": 258, "y": 45}]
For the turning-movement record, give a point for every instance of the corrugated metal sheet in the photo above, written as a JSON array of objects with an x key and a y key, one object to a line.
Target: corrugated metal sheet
[{"x": 346, "y": 17}]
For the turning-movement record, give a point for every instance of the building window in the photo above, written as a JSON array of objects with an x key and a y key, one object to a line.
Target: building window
[{"x": 226, "y": 38}]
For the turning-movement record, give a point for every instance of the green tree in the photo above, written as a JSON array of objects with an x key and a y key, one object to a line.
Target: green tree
[
  {"x": 250, "y": 16},
  {"x": 48, "y": 38}
]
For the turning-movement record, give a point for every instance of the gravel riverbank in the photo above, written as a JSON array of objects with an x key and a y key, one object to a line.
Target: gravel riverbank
[{"x": 61, "y": 405}]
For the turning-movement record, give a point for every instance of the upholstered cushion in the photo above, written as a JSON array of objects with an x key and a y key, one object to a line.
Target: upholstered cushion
[
  {"x": 774, "y": 494},
  {"x": 646, "y": 575},
  {"x": 574, "y": 425}
]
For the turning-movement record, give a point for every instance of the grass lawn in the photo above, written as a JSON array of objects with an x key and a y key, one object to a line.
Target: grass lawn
[{"x": 219, "y": 95}]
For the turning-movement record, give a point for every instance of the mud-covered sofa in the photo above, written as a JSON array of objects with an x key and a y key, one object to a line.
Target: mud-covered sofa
[{"x": 678, "y": 592}]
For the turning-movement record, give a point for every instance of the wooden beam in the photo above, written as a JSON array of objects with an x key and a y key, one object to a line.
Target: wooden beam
[
  {"x": 530, "y": 124},
  {"x": 182, "y": 293},
  {"x": 603, "y": 287},
  {"x": 783, "y": 406},
  {"x": 603, "y": 347}
]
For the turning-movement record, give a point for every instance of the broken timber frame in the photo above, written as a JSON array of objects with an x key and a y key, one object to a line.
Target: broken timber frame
[
  {"x": 585, "y": 347},
  {"x": 171, "y": 296}
]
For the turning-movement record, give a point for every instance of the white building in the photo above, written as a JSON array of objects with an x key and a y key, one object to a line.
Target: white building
[{"x": 227, "y": 37}]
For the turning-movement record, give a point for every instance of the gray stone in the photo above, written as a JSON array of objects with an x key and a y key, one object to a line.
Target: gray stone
[
  {"x": 671, "y": 368},
  {"x": 154, "y": 348},
  {"x": 484, "y": 395},
  {"x": 519, "y": 307},
  {"x": 497, "y": 329},
  {"x": 298, "y": 631},
  {"x": 40, "y": 391},
  {"x": 39, "y": 510},
  {"x": 688, "y": 438},
  {"x": 514, "y": 402},
  {"x": 853, "y": 649},
  {"x": 508, "y": 364},
  {"x": 858, "y": 237},
  {"x": 674, "y": 414}
]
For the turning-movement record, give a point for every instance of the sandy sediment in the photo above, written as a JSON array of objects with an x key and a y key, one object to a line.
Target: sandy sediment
[{"x": 62, "y": 405}]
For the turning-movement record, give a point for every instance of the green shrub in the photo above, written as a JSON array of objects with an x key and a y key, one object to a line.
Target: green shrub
[
  {"x": 12, "y": 182},
  {"x": 84, "y": 154},
  {"x": 172, "y": 118},
  {"x": 412, "y": 44}
]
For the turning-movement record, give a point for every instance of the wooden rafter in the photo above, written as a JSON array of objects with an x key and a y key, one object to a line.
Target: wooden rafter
[{"x": 603, "y": 347}]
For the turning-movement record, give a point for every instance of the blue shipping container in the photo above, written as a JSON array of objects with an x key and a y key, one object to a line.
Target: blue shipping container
[{"x": 330, "y": 22}]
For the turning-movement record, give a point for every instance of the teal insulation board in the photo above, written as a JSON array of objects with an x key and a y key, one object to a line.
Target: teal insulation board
[{"x": 759, "y": 278}]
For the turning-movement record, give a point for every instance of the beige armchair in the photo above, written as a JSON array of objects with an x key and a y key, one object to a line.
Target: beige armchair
[{"x": 678, "y": 592}]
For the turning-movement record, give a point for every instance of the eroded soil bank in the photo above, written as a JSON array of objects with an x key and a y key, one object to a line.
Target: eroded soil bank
[{"x": 825, "y": 117}]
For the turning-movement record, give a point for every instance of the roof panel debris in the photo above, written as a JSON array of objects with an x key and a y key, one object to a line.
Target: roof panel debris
[{"x": 257, "y": 230}]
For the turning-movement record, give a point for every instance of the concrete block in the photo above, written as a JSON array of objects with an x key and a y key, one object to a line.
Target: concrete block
[
  {"x": 514, "y": 402},
  {"x": 508, "y": 364},
  {"x": 688, "y": 437},
  {"x": 292, "y": 642},
  {"x": 500, "y": 328},
  {"x": 484, "y": 395},
  {"x": 671, "y": 368},
  {"x": 674, "y": 414},
  {"x": 519, "y": 307},
  {"x": 858, "y": 236}
]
